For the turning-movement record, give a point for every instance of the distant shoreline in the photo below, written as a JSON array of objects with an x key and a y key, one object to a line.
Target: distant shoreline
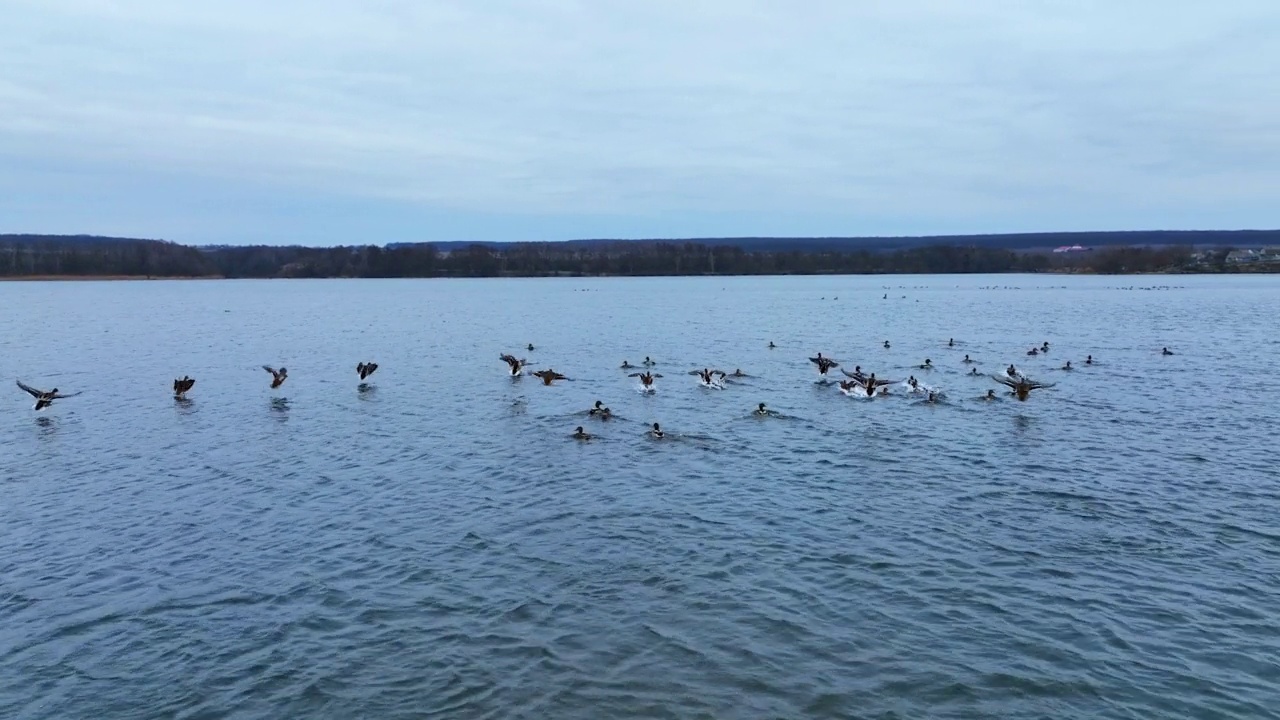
[{"x": 101, "y": 278}]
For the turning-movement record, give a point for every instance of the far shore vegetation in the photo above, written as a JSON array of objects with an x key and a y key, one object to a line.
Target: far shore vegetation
[{"x": 46, "y": 257}]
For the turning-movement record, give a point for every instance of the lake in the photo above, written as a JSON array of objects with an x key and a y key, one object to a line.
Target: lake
[{"x": 436, "y": 545}]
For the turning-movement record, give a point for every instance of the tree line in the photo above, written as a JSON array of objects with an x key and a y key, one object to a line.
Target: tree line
[{"x": 51, "y": 256}]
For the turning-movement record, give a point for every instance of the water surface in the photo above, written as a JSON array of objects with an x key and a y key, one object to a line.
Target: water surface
[{"x": 435, "y": 544}]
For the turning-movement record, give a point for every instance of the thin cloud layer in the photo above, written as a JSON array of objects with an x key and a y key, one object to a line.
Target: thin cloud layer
[{"x": 327, "y": 122}]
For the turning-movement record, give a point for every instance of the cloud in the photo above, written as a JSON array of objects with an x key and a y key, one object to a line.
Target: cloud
[{"x": 514, "y": 120}]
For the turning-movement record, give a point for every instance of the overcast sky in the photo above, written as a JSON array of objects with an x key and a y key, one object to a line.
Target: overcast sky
[{"x": 324, "y": 122}]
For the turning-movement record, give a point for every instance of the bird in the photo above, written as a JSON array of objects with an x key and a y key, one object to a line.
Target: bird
[
  {"x": 549, "y": 376},
  {"x": 646, "y": 378},
  {"x": 181, "y": 386},
  {"x": 277, "y": 376},
  {"x": 824, "y": 364},
  {"x": 761, "y": 410},
  {"x": 708, "y": 376},
  {"x": 516, "y": 365},
  {"x": 1021, "y": 386},
  {"x": 656, "y": 432},
  {"x": 600, "y": 411},
  {"x": 43, "y": 399},
  {"x": 580, "y": 434},
  {"x": 366, "y": 369}
]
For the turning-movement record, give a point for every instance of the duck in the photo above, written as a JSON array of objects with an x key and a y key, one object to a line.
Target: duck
[
  {"x": 646, "y": 378},
  {"x": 549, "y": 376},
  {"x": 648, "y": 361},
  {"x": 277, "y": 376},
  {"x": 967, "y": 360},
  {"x": 1088, "y": 360},
  {"x": 760, "y": 410},
  {"x": 580, "y": 434},
  {"x": 928, "y": 364},
  {"x": 600, "y": 411},
  {"x": 1166, "y": 351},
  {"x": 738, "y": 373},
  {"x": 626, "y": 365},
  {"x": 181, "y": 386},
  {"x": 656, "y": 432},
  {"x": 1033, "y": 351},
  {"x": 991, "y": 395},
  {"x": 886, "y": 344},
  {"x": 771, "y": 345},
  {"x": 708, "y": 376},
  {"x": 1067, "y": 366},
  {"x": 366, "y": 369},
  {"x": 824, "y": 364},
  {"x": 515, "y": 364},
  {"x": 529, "y": 347},
  {"x": 1021, "y": 386},
  {"x": 951, "y": 342},
  {"x": 973, "y": 371},
  {"x": 43, "y": 399},
  {"x": 857, "y": 373}
]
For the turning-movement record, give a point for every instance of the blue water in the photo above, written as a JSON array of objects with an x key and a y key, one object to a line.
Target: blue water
[{"x": 435, "y": 545}]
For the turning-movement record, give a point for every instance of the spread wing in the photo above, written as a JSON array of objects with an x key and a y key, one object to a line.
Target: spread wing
[
  {"x": 631, "y": 375},
  {"x": 854, "y": 375},
  {"x": 271, "y": 370},
  {"x": 695, "y": 372},
  {"x": 558, "y": 376},
  {"x": 509, "y": 359},
  {"x": 657, "y": 376},
  {"x": 721, "y": 373},
  {"x": 34, "y": 392},
  {"x": 60, "y": 395},
  {"x": 815, "y": 361},
  {"x": 1034, "y": 385},
  {"x": 880, "y": 381},
  {"x": 1005, "y": 380}
]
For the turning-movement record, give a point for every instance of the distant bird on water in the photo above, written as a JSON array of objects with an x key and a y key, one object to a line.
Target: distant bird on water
[
  {"x": 43, "y": 399},
  {"x": 277, "y": 376},
  {"x": 366, "y": 369},
  {"x": 181, "y": 386}
]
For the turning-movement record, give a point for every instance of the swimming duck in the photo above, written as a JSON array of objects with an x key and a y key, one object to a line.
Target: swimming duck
[
  {"x": 1067, "y": 366},
  {"x": 928, "y": 364},
  {"x": 646, "y": 378},
  {"x": 708, "y": 376},
  {"x": 1021, "y": 386},
  {"x": 648, "y": 361},
  {"x": 277, "y": 376},
  {"x": 991, "y": 395},
  {"x": 1033, "y": 351},
  {"x": 580, "y": 434},
  {"x": 1166, "y": 351},
  {"x": 1011, "y": 371},
  {"x": 515, "y": 364},
  {"x": 824, "y": 364},
  {"x": 760, "y": 410},
  {"x": 738, "y": 373},
  {"x": 967, "y": 360},
  {"x": 366, "y": 369},
  {"x": 771, "y": 345},
  {"x": 43, "y": 399},
  {"x": 656, "y": 432},
  {"x": 886, "y": 344},
  {"x": 973, "y": 371},
  {"x": 529, "y": 347},
  {"x": 600, "y": 411},
  {"x": 626, "y": 365},
  {"x": 1088, "y": 360},
  {"x": 549, "y": 376},
  {"x": 951, "y": 342},
  {"x": 181, "y": 386}
]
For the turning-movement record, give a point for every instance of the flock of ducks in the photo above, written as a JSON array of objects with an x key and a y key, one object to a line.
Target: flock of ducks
[{"x": 858, "y": 384}]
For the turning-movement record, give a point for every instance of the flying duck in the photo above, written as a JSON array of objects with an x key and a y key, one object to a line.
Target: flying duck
[
  {"x": 181, "y": 386},
  {"x": 512, "y": 362},
  {"x": 549, "y": 376},
  {"x": 277, "y": 376},
  {"x": 43, "y": 399},
  {"x": 1021, "y": 386},
  {"x": 646, "y": 378}
]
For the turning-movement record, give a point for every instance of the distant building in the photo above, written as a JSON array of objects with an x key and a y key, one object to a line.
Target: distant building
[
  {"x": 1069, "y": 248},
  {"x": 1243, "y": 256}
]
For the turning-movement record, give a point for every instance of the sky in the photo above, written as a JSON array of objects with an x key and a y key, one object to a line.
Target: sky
[{"x": 323, "y": 122}]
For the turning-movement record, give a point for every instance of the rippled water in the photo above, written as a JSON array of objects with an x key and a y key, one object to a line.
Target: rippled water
[{"x": 437, "y": 546}]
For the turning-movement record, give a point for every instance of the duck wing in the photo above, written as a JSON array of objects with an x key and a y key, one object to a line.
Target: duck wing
[
  {"x": 657, "y": 376},
  {"x": 60, "y": 395},
  {"x": 508, "y": 359},
  {"x": 1005, "y": 380},
  {"x": 854, "y": 375},
  {"x": 32, "y": 391},
  {"x": 271, "y": 370},
  {"x": 631, "y": 375}
]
